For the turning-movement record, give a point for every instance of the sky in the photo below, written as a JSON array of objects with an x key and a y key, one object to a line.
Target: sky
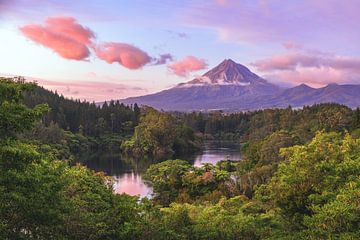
[{"x": 99, "y": 50}]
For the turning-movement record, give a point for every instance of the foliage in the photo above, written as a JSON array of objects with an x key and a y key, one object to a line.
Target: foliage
[
  {"x": 295, "y": 182},
  {"x": 178, "y": 181},
  {"x": 234, "y": 218},
  {"x": 43, "y": 198},
  {"x": 160, "y": 135},
  {"x": 86, "y": 118},
  {"x": 317, "y": 187},
  {"x": 257, "y": 125},
  {"x": 14, "y": 116}
]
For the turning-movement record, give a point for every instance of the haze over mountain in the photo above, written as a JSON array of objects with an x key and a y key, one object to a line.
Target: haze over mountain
[{"x": 233, "y": 87}]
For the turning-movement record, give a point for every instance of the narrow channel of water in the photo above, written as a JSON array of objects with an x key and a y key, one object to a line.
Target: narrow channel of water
[{"x": 127, "y": 172}]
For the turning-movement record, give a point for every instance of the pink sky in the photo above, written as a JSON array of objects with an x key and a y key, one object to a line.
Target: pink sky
[
  {"x": 92, "y": 91},
  {"x": 98, "y": 50}
]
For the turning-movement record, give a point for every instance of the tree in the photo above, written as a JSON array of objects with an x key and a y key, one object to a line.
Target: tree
[
  {"x": 356, "y": 118},
  {"x": 166, "y": 179},
  {"x": 159, "y": 135},
  {"x": 43, "y": 198},
  {"x": 15, "y": 117},
  {"x": 317, "y": 186},
  {"x": 178, "y": 181}
]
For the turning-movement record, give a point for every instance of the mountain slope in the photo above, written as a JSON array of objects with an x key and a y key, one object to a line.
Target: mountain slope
[
  {"x": 227, "y": 86},
  {"x": 233, "y": 87},
  {"x": 301, "y": 95}
]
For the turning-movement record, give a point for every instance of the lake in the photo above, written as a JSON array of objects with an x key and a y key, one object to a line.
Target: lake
[{"x": 127, "y": 172}]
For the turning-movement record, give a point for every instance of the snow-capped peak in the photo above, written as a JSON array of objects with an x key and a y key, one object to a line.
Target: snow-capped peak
[{"x": 227, "y": 72}]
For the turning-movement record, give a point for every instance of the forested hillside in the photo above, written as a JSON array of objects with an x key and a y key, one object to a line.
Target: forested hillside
[
  {"x": 86, "y": 127},
  {"x": 256, "y": 125},
  {"x": 299, "y": 179},
  {"x": 85, "y": 117}
]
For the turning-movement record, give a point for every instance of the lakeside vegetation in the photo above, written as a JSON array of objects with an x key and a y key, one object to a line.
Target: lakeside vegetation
[
  {"x": 299, "y": 179},
  {"x": 160, "y": 135}
]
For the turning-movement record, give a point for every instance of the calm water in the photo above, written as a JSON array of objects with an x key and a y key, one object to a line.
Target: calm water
[{"x": 127, "y": 172}]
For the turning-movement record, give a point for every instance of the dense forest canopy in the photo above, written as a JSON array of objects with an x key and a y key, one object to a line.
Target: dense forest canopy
[
  {"x": 160, "y": 135},
  {"x": 299, "y": 179},
  {"x": 87, "y": 118}
]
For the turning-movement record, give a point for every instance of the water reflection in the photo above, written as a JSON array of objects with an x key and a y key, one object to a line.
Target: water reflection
[
  {"x": 127, "y": 172},
  {"x": 132, "y": 184},
  {"x": 215, "y": 151}
]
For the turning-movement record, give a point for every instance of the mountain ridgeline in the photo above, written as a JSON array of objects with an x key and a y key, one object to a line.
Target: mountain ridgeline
[{"x": 233, "y": 87}]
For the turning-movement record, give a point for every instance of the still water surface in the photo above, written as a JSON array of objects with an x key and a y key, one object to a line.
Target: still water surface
[{"x": 127, "y": 172}]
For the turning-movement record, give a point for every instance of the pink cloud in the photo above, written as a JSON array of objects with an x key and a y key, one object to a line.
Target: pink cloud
[
  {"x": 286, "y": 62},
  {"x": 68, "y": 26},
  {"x": 293, "y": 60},
  {"x": 311, "y": 22},
  {"x": 73, "y": 41},
  {"x": 292, "y": 46},
  {"x": 315, "y": 77},
  {"x": 312, "y": 67},
  {"x": 189, "y": 64},
  {"x": 221, "y": 2},
  {"x": 63, "y": 35},
  {"x": 125, "y": 54}
]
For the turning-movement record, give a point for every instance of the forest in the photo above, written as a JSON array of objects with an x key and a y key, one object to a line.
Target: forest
[{"x": 299, "y": 177}]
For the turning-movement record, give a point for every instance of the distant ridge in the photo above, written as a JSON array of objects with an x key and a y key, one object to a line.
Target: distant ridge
[{"x": 233, "y": 87}]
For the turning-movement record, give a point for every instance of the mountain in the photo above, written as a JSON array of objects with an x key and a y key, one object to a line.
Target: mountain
[
  {"x": 301, "y": 95},
  {"x": 233, "y": 87},
  {"x": 227, "y": 72},
  {"x": 228, "y": 86}
]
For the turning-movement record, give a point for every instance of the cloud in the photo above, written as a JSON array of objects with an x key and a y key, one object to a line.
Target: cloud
[
  {"x": 294, "y": 60},
  {"x": 178, "y": 34},
  {"x": 310, "y": 22},
  {"x": 91, "y": 91},
  {"x": 63, "y": 35},
  {"x": 292, "y": 46},
  {"x": 189, "y": 64},
  {"x": 312, "y": 67},
  {"x": 163, "y": 59},
  {"x": 4, "y": 5},
  {"x": 125, "y": 54},
  {"x": 68, "y": 27},
  {"x": 182, "y": 35},
  {"x": 287, "y": 62},
  {"x": 221, "y": 2},
  {"x": 315, "y": 77},
  {"x": 73, "y": 41}
]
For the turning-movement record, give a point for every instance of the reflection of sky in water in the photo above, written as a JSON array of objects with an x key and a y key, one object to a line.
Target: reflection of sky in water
[
  {"x": 215, "y": 155},
  {"x": 126, "y": 173},
  {"x": 132, "y": 184}
]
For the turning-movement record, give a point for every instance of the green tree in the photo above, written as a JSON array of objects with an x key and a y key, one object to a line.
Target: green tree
[
  {"x": 159, "y": 135},
  {"x": 317, "y": 186},
  {"x": 166, "y": 179},
  {"x": 15, "y": 117},
  {"x": 42, "y": 198}
]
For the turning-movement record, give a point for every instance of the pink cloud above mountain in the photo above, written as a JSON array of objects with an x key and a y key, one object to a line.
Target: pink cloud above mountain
[
  {"x": 293, "y": 60},
  {"x": 309, "y": 22},
  {"x": 312, "y": 67},
  {"x": 187, "y": 65}
]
